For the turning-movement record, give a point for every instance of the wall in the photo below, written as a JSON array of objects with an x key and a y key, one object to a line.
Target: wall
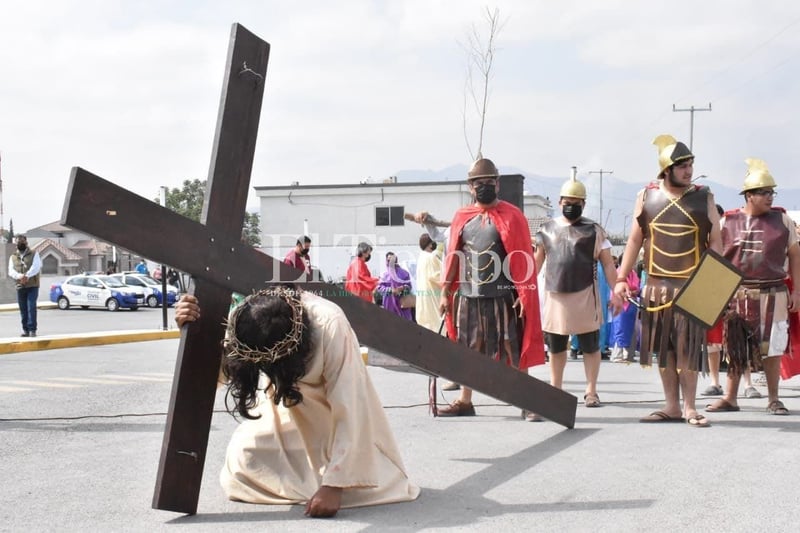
[
  {"x": 338, "y": 217},
  {"x": 8, "y": 289}
]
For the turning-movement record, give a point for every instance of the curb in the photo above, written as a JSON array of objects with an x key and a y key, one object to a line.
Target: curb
[
  {"x": 39, "y": 305},
  {"x": 14, "y": 345},
  {"x": 53, "y": 342}
]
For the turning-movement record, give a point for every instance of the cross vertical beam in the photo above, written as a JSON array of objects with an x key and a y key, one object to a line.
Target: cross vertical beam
[{"x": 191, "y": 406}]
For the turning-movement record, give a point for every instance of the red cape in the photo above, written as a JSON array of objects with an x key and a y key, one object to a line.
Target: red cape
[
  {"x": 359, "y": 281},
  {"x": 516, "y": 237},
  {"x": 790, "y": 362}
]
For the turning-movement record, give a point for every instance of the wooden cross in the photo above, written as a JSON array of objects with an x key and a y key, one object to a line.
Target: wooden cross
[{"x": 213, "y": 253}]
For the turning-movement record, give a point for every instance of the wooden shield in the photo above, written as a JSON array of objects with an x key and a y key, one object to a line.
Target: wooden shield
[{"x": 705, "y": 295}]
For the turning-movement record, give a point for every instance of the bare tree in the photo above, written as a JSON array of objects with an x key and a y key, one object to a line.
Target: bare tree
[{"x": 480, "y": 56}]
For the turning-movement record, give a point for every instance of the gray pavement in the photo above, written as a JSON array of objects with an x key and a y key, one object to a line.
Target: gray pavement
[{"x": 492, "y": 472}]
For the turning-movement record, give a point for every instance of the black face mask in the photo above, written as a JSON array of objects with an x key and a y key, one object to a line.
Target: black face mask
[
  {"x": 367, "y": 258},
  {"x": 433, "y": 246},
  {"x": 304, "y": 251},
  {"x": 572, "y": 211},
  {"x": 21, "y": 246},
  {"x": 485, "y": 193}
]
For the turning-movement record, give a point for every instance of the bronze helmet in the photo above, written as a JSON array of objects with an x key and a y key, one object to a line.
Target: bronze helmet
[
  {"x": 670, "y": 151},
  {"x": 573, "y": 188},
  {"x": 758, "y": 176},
  {"x": 482, "y": 168}
]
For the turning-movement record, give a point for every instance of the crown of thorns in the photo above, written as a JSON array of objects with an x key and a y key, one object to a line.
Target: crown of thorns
[{"x": 236, "y": 349}]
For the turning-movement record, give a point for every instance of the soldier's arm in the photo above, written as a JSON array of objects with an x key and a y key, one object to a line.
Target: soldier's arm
[
  {"x": 631, "y": 254},
  {"x": 715, "y": 237}
]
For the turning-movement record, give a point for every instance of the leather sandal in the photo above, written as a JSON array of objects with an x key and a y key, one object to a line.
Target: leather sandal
[
  {"x": 777, "y": 408},
  {"x": 591, "y": 400}
]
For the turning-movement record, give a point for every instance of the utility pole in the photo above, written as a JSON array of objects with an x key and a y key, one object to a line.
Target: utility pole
[
  {"x": 2, "y": 227},
  {"x": 162, "y": 197},
  {"x": 601, "y": 172},
  {"x": 691, "y": 111}
]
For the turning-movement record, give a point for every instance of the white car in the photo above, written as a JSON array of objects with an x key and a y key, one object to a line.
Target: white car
[
  {"x": 150, "y": 287},
  {"x": 95, "y": 291}
]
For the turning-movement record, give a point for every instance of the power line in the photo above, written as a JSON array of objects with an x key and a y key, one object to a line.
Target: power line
[
  {"x": 741, "y": 59},
  {"x": 715, "y": 75},
  {"x": 755, "y": 77}
]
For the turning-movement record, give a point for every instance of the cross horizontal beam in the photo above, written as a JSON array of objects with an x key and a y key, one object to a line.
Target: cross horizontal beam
[{"x": 99, "y": 207}]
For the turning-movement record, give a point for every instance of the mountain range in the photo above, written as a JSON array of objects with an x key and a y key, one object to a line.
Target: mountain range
[{"x": 617, "y": 195}]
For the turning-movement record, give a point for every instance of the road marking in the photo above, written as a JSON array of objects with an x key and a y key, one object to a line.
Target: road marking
[
  {"x": 18, "y": 385},
  {"x": 44, "y": 384},
  {"x": 135, "y": 378},
  {"x": 94, "y": 380},
  {"x": 3, "y": 388}
]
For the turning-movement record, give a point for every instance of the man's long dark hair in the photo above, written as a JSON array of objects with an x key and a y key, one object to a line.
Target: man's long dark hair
[{"x": 262, "y": 322}]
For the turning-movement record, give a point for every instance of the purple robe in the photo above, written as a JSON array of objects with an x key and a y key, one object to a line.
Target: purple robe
[{"x": 394, "y": 277}]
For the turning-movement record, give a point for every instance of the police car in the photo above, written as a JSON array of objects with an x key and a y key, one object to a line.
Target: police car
[
  {"x": 150, "y": 287},
  {"x": 96, "y": 291}
]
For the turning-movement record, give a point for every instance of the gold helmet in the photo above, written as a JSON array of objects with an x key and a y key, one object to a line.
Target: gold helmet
[
  {"x": 573, "y": 188},
  {"x": 482, "y": 168},
  {"x": 758, "y": 176},
  {"x": 670, "y": 151}
]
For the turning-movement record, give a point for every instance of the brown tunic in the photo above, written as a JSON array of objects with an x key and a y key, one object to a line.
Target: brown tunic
[
  {"x": 756, "y": 246},
  {"x": 484, "y": 313},
  {"x": 757, "y": 324},
  {"x": 676, "y": 232}
]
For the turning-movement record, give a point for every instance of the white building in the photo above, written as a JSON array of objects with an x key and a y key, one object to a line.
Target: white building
[{"x": 338, "y": 217}]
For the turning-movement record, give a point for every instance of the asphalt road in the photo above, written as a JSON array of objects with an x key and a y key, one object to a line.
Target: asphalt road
[
  {"x": 81, "y": 431},
  {"x": 77, "y": 320}
]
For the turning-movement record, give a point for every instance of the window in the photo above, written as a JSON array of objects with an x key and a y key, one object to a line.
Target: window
[{"x": 389, "y": 216}]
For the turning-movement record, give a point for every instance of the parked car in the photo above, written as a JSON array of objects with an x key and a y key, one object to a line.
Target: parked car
[
  {"x": 147, "y": 277},
  {"x": 150, "y": 287},
  {"x": 88, "y": 290}
]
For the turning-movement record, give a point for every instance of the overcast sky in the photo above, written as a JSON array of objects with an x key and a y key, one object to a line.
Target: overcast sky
[{"x": 356, "y": 89}]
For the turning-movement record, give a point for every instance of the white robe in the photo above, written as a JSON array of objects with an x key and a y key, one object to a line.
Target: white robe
[
  {"x": 429, "y": 267},
  {"x": 338, "y": 435}
]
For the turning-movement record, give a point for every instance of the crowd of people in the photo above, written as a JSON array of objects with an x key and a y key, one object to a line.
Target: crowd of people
[
  {"x": 593, "y": 302},
  {"x": 314, "y": 431}
]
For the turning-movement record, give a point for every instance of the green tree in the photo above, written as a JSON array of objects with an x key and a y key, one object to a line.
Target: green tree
[
  {"x": 188, "y": 201},
  {"x": 251, "y": 232}
]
